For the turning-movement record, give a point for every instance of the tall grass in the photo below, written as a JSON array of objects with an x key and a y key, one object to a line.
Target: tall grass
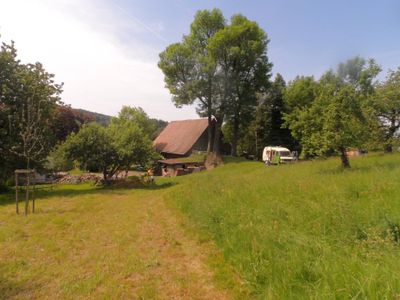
[{"x": 310, "y": 230}]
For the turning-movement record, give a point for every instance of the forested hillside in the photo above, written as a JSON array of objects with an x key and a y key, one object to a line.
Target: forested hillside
[{"x": 97, "y": 117}]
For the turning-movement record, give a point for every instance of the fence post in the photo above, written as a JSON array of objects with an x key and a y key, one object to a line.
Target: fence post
[
  {"x": 33, "y": 194},
  {"x": 28, "y": 179},
  {"x": 16, "y": 192}
]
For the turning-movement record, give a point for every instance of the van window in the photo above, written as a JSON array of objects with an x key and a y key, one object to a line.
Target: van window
[{"x": 284, "y": 153}]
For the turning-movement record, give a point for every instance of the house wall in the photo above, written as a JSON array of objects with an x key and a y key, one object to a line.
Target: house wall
[{"x": 172, "y": 155}]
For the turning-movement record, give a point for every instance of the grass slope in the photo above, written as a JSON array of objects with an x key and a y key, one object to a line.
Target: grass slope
[{"x": 309, "y": 230}]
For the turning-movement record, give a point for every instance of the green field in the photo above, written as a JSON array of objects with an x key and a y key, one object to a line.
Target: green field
[{"x": 308, "y": 230}]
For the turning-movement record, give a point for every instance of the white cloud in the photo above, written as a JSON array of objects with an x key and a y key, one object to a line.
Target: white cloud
[{"x": 96, "y": 50}]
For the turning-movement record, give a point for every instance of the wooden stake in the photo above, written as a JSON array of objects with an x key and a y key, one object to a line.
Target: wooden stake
[
  {"x": 16, "y": 192},
  {"x": 33, "y": 196},
  {"x": 27, "y": 194}
]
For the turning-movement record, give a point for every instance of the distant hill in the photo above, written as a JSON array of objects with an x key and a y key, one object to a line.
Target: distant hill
[{"x": 97, "y": 117}]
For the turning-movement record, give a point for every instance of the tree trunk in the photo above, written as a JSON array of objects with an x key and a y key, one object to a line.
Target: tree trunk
[
  {"x": 235, "y": 134},
  {"x": 388, "y": 148},
  {"x": 210, "y": 131},
  {"x": 256, "y": 143},
  {"x": 392, "y": 130},
  {"x": 217, "y": 135},
  {"x": 210, "y": 141},
  {"x": 105, "y": 174},
  {"x": 344, "y": 158},
  {"x": 28, "y": 176}
]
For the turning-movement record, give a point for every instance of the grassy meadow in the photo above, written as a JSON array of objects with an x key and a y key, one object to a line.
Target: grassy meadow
[
  {"x": 310, "y": 230},
  {"x": 304, "y": 231}
]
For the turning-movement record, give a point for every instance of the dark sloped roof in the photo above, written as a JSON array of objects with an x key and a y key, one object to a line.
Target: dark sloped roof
[{"x": 180, "y": 136}]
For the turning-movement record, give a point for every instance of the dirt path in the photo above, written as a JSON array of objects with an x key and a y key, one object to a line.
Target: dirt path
[
  {"x": 175, "y": 263},
  {"x": 84, "y": 243}
]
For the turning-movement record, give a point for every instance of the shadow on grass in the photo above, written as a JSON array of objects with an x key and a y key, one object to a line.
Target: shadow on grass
[{"x": 79, "y": 190}]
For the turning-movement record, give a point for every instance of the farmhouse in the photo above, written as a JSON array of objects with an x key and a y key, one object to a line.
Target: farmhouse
[{"x": 181, "y": 138}]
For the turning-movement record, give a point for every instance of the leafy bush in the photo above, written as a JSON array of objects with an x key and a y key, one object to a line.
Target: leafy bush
[
  {"x": 109, "y": 149},
  {"x": 58, "y": 159}
]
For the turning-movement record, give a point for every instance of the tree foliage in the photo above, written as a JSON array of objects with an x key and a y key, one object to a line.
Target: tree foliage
[
  {"x": 64, "y": 123},
  {"x": 270, "y": 116},
  {"x": 266, "y": 125},
  {"x": 117, "y": 147},
  {"x": 132, "y": 143},
  {"x": 58, "y": 159},
  {"x": 28, "y": 98},
  {"x": 329, "y": 116},
  {"x": 151, "y": 127},
  {"x": 386, "y": 110},
  {"x": 93, "y": 149},
  {"x": 240, "y": 51},
  {"x": 189, "y": 72},
  {"x": 220, "y": 67},
  {"x": 360, "y": 73}
]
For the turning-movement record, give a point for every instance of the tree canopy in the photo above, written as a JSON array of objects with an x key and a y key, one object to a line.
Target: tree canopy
[
  {"x": 221, "y": 67},
  {"x": 189, "y": 72},
  {"x": 150, "y": 127},
  {"x": 28, "y": 98},
  {"x": 386, "y": 110},
  {"x": 329, "y": 115},
  {"x": 117, "y": 147},
  {"x": 240, "y": 51}
]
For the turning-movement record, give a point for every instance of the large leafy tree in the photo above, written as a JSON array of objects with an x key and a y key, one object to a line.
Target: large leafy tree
[
  {"x": 64, "y": 123},
  {"x": 190, "y": 73},
  {"x": 386, "y": 109},
  {"x": 240, "y": 52},
  {"x": 28, "y": 98},
  {"x": 330, "y": 115},
  {"x": 299, "y": 95},
  {"x": 219, "y": 67},
  {"x": 151, "y": 127},
  {"x": 93, "y": 149},
  {"x": 269, "y": 117},
  {"x": 360, "y": 73},
  {"x": 32, "y": 112},
  {"x": 133, "y": 145},
  {"x": 8, "y": 77},
  {"x": 111, "y": 149},
  {"x": 266, "y": 126},
  {"x": 333, "y": 121}
]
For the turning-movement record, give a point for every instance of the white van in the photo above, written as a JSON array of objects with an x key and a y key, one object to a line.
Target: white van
[{"x": 277, "y": 155}]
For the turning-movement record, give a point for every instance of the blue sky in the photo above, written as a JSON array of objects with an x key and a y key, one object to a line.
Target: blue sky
[
  {"x": 106, "y": 51},
  {"x": 307, "y": 37}
]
